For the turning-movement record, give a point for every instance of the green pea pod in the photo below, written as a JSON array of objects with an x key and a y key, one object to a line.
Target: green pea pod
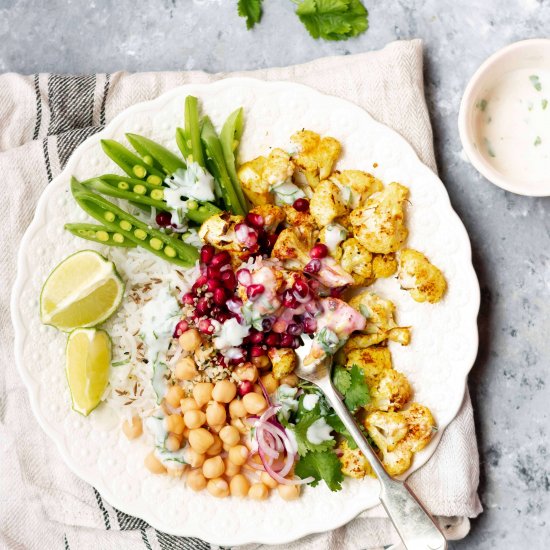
[
  {"x": 192, "y": 129},
  {"x": 217, "y": 167},
  {"x": 99, "y": 234},
  {"x": 133, "y": 165},
  {"x": 117, "y": 220},
  {"x": 161, "y": 156},
  {"x": 230, "y": 136},
  {"x": 203, "y": 211},
  {"x": 183, "y": 143}
]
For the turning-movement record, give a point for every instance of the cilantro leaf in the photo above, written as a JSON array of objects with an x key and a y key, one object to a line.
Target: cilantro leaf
[
  {"x": 333, "y": 420},
  {"x": 333, "y": 19},
  {"x": 357, "y": 395},
  {"x": 321, "y": 465},
  {"x": 341, "y": 378},
  {"x": 300, "y": 432},
  {"x": 251, "y": 10}
]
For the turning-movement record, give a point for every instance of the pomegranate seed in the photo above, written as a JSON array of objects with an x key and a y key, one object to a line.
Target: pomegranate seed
[
  {"x": 200, "y": 282},
  {"x": 257, "y": 351},
  {"x": 271, "y": 240},
  {"x": 212, "y": 284},
  {"x": 221, "y": 361},
  {"x": 319, "y": 251},
  {"x": 181, "y": 327},
  {"x": 254, "y": 291},
  {"x": 221, "y": 258},
  {"x": 337, "y": 291},
  {"x": 301, "y": 205},
  {"x": 163, "y": 219},
  {"x": 238, "y": 358},
  {"x": 289, "y": 300},
  {"x": 266, "y": 325},
  {"x": 213, "y": 272},
  {"x": 207, "y": 253},
  {"x": 246, "y": 386},
  {"x": 286, "y": 340},
  {"x": 188, "y": 299},
  {"x": 279, "y": 326},
  {"x": 296, "y": 342},
  {"x": 255, "y": 220},
  {"x": 244, "y": 277},
  {"x": 294, "y": 329},
  {"x": 255, "y": 337},
  {"x": 228, "y": 280},
  {"x": 310, "y": 325},
  {"x": 206, "y": 327},
  {"x": 301, "y": 288},
  {"x": 272, "y": 339},
  {"x": 234, "y": 304},
  {"x": 202, "y": 307},
  {"x": 313, "y": 266},
  {"x": 219, "y": 296}
]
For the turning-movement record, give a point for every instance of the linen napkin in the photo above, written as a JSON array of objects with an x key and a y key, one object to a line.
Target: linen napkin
[{"x": 43, "y": 117}]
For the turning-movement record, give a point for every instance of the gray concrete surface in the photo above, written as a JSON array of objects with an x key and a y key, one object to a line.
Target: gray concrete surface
[{"x": 510, "y": 234}]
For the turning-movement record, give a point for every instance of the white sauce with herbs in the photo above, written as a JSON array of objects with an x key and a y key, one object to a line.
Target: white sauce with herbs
[
  {"x": 318, "y": 432},
  {"x": 286, "y": 193},
  {"x": 231, "y": 334},
  {"x": 309, "y": 401},
  {"x": 334, "y": 235},
  {"x": 513, "y": 125}
]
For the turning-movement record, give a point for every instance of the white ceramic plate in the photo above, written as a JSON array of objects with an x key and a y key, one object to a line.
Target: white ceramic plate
[{"x": 443, "y": 348}]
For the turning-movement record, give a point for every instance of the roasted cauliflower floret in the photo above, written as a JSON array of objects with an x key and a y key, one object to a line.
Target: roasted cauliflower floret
[
  {"x": 316, "y": 156},
  {"x": 420, "y": 277},
  {"x": 272, "y": 215},
  {"x": 353, "y": 462},
  {"x": 278, "y": 169},
  {"x": 383, "y": 265},
  {"x": 379, "y": 224},
  {"x": 381, "y": 324},
  {"x": 250, "y": 175},
  {"x": 219, "y": 231},
  {"x": 304, "y": 222},
  {"x": 333, "y": 235},
  {"x": 400, "y": 434},
  {"x": 283, "y": 361},
  {"x": 357, "y": 261},
  {"x": 361, "y": 185},
  {"x": 326, "y": 203},
  {"x": 392, "y": 392}
]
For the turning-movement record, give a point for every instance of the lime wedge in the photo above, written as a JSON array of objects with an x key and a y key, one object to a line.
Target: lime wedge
[
  {"x": 82, "y": 291},
  {"x": 88, "y": 357}
]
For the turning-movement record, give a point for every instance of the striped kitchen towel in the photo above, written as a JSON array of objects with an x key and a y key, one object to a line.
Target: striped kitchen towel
[{"x": 42, "y": 119}]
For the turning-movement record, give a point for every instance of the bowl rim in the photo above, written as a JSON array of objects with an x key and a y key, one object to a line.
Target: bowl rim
[{"x": 467, "y": 103}]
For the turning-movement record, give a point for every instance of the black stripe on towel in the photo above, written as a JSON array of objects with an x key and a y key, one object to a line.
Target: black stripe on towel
[
  {"x": 170, "y": 542},
  {"x": 67, "y": 142},
  {"x": 145, "y": 539},
  {"x": 47, "y": 159},
  {"x": 102, "y": 508},
  {"x": 127, "y": 522},
  {"x": 104, "y": 99},
  {"x": 66, "y": 542},
  {"x": 38, "y": 106}
]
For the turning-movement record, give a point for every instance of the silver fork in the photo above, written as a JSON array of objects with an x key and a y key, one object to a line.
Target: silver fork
[{"x": 415, "y": 525}]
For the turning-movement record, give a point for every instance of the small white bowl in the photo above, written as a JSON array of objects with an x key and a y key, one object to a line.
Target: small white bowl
[{"x": 527, "y": 54}]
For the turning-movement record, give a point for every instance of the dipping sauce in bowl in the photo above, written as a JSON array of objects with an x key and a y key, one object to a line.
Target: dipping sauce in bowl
[{"x": 504, "y": 119}]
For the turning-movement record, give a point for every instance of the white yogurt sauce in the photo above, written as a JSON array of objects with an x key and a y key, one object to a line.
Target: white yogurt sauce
[
  {"x": 513, "y": 125},
  {"x": 319, "y": 431},
  {"x": 310, "y": 400}
]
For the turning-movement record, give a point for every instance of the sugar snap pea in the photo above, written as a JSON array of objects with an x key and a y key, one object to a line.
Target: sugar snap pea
[
  {"x": 161, "y": 157},
  {"x": 133, "y": 165},
  {"x": 116, "y": 219},
  {"x": 99, "y": 234},
  {"x": 183, "y": 143},
  {"x": 192, "y": 129}
]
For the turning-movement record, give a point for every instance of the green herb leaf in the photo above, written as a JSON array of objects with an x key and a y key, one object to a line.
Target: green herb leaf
[
  {"x": 544, "y": 104},
  {"x": 337, "y": 425},
  {"x": 341, "y": 378},
  {"x": 333, "y": 19},
  {"x": 321, "y": 465},
  {"x": 535, "y": 82},
  {"x": 300, "y": 432},
  {"x": 251, "y": 10},
  {"x": 538, "y": 141},
  {"x": 357, "y": 394}
]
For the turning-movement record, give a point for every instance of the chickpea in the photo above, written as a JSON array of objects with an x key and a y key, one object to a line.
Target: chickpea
[
  {"x": 213, "y": 467},
  {"x": 185, "y": 434},
  {"x": 240, "y": 425},
  {"x": 267, "y": 480},
  {"x": 186, "y": 369},
  {"x": 172, "y": 443},
  {"x": 270, "y": 383},
  {"x": 247, "y": 372},
  {"x": 216, "y": 428},
  {"x": 200, "y": 439},
  {"x": 262, "y": 362},
  {"x": 224, "y": 391},
  {"x": 190, "y": 340},
  {"x": 194, "y": 459},
  {"x": 230, "y": 435},
  {"x": 202, "y": 392},
  {"x": 258, "y": 491},
  {"x": 153, "y": 464},
  {"x": 290, "y": 380},
  {"x": 236, "y": 409},
  {"x": 289, "y": 492},
  {"x": 238, "y": 454},
  {"x": 194, "y": 419},
  {"x": 215, "y": 413},
  {"x": 254, "y": 403},
  {"x": 216, "y": 447},
  {"x": 195, "y": 480},
  {"x": 175, "y": 472},
  {"x": 218, "y": 487},
  {"x": 239, "y": 486},
  {"x": 133, "y": 428},
  {"x": 174, "y": 423},
  {"x": 188, "y": 404},
  {"x": 174, "y": 395},
  {"x": 258, "y": 389},
  {"x": 230, "y": 468}
]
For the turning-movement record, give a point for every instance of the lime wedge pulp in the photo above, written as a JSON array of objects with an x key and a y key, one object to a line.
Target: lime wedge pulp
[{"x": 88, "y": 357}]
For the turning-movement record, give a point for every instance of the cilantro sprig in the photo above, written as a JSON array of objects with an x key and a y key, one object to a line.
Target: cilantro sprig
[
  {"x": 352, "y": 385},
  {"x": 321, "y": 465},
  {"x": 326, "y": 19}
]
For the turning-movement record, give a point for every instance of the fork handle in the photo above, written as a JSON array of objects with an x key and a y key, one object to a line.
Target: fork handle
[{"x": 415, "y": 525}]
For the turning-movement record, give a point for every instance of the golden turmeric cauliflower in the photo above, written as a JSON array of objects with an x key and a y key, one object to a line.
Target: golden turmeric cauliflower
[
  {"x": 353, "y": 463},
  {"x": 272, "y": 215},
  {"x": 326, "y": 203},
  {"x": 420, "y": 277},
  {"x": 283, "y": 361},
  {"x": 333, "y": 235},
  {"x": 361, "y": 185},
  {"x": 316, "y": 156},
  {"x": 357, "y": 261},
  {"x": 381, "y": 324},
  {"x": 379, "y": 224},
  {"x": 219, "y": 231},
  {"x": 303, "y": 222}
]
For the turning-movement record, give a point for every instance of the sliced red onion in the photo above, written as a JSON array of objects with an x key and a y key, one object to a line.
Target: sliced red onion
[{"x": 279, "y": 478}]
